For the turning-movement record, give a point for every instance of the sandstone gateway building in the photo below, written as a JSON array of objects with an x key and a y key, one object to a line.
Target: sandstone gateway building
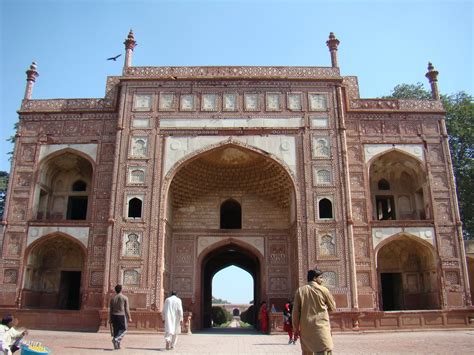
[{"x": 179, "y": 172}]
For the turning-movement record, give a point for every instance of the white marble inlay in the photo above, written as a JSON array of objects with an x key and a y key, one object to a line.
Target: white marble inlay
[
  {"x": 425, "y": 233},
  {"x": 256, "y": 122},
  {"x": 372, "y": 150},
  {"x": 88, "y": 149},
  {"x": 79, "y": 233},
  {"x": 177, "y": 148}
]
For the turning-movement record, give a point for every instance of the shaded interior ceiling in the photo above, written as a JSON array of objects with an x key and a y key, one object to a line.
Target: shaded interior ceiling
[
  {"x": 231, "y": 168},
  {"x": 392, "y": 165}
]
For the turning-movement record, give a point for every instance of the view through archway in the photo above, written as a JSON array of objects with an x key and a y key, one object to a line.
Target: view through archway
[
  {"x": 232, "y": 296},
  {"x": 228, "y": 255}
]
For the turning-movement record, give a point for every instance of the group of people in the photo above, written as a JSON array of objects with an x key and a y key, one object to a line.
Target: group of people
[
  {"x": 10, "y": 338},
  {"x": 119, "y": 316},
  {"x": 306, "y": 318}
]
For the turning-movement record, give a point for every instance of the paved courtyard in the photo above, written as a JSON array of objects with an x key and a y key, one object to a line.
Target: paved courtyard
[{"x": 240, "y": 341}]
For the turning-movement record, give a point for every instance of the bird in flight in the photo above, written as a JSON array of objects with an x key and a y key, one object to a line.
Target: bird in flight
[{"x": 114, "y": 58}]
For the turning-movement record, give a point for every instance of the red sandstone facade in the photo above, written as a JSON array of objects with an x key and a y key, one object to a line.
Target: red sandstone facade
[{"x": 179, "y": 172}]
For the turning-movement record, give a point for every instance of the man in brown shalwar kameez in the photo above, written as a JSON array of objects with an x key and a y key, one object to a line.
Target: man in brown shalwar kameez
[{"x": 310, "y": 315}]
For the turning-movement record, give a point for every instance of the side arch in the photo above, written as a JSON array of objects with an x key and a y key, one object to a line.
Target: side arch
[
  {"x": 54, "y": 274},
  {"x": 408, "y": 274}
]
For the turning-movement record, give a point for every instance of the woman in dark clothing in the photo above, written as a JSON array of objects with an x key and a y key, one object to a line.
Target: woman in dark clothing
[{"x": 287, "y": 326}]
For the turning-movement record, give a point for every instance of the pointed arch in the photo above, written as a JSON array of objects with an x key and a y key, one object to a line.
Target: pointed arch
[
  {"x": 54, "y": 271},
  {"x": 407, "y": 269}
]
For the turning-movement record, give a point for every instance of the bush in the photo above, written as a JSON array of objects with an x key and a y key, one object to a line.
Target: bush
[
  {"x": 220, "y": 315},
  {"x": 248, "y": 316}
]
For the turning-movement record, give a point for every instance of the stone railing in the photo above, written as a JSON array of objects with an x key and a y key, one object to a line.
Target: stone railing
[
  {"x": 65, "y": 105},
  {"x": 396, "y": 105},
  {"x": 238, "y": 72}
]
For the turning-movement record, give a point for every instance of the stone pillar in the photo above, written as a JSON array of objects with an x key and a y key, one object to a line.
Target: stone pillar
[
  {"x": 130, "y": 44},
  {"x": 31, "y": 75},
  {"x": 332, "y": 44},
  {"x": 432, "y": 76}
]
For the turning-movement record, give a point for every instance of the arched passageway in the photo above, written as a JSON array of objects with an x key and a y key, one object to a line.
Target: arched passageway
[
  {"x": 407, "y": 274},
  {"x": 219, "y": 259},
  {"x": 54, "y": 269}
]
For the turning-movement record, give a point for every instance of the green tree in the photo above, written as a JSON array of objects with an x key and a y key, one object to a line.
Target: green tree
[
  {"x": 219, "y": 301},
  {"x": 3, "y": 190},
  {"x": 459, "y": 123},
  {"x": 12, "y": 139}
]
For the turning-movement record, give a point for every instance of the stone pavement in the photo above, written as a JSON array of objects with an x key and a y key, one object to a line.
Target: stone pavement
[{"x": 241, "y": 341}]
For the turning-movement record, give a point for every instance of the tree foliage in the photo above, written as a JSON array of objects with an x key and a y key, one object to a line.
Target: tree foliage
[
  {"x": 248, "y": 316},
  {"x": 219, "y": 301},
  {"x": 459, "y": 123},
  {"x": 3, "y": 190},
  {"x": 220, "y": 315}
]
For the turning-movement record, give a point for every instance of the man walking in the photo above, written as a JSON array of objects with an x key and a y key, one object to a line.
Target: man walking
[
  {"x": 119, "y": 313},
  {"x": 173, "y": 318},
  {"x": 310, "y": 315}
]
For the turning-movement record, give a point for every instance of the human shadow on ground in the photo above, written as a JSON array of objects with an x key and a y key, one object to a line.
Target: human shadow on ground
[{"x": 86, "y": 348}]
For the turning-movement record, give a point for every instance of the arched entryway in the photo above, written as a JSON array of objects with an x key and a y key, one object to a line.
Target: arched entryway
[
  {"x": 407, "y": 274},
  {"x": 229, "y": 200},
  {"x": 53, "y": 274},
  {"x": 220, "y": 258}
]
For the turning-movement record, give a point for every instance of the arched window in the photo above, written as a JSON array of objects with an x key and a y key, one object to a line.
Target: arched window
[
  {"x": 325, "y": 208},
  {"x": 135, "y": 208},
  {"x": 79, "y": 185},
  {"x": 231, "y": 215},
  {"x": 383, "y": 184}
]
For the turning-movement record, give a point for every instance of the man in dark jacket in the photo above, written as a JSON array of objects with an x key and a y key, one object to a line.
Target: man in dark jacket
[{"x": 119, "y": 313}]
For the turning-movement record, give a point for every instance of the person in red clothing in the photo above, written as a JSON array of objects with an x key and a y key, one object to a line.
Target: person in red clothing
[
  {"x": 287, "y": 323},
  {"x": 263, "y": 317}
]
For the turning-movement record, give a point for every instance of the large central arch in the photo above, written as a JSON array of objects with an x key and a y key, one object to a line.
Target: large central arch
[{"x": 257, "y": 192}]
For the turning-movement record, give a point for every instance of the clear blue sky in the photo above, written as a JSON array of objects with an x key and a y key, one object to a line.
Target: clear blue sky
[{"x": 383, "y": 42}]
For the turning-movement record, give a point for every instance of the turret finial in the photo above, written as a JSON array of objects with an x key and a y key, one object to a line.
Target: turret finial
[
  {"x": 31, "y": 75},
  {"x": 332, "y": 44},
  {"x": 130, "y": 45},
  {"x": 432, "y": 76}
]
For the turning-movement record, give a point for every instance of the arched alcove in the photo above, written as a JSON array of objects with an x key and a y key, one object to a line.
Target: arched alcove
[
  {"x": 63, "y": 187},
  {"x": 246, "y": 179},
  {"x": 399, "y": 188},
  {"x": 53, "y": 274},
  {"x": 407, "y": 273}
]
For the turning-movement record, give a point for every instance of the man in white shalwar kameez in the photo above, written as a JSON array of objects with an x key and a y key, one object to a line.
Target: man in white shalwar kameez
[{"x": 173, "y": 318}]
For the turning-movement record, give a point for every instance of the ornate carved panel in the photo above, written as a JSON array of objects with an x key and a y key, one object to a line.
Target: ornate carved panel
[
  {"x": 10, "y": 276},
  {"x": 27, "y": 153},
  {"x": 96, "y": 279},
  {"x": 278, "y": 254},
  {"x": 363, "y": 279}
]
